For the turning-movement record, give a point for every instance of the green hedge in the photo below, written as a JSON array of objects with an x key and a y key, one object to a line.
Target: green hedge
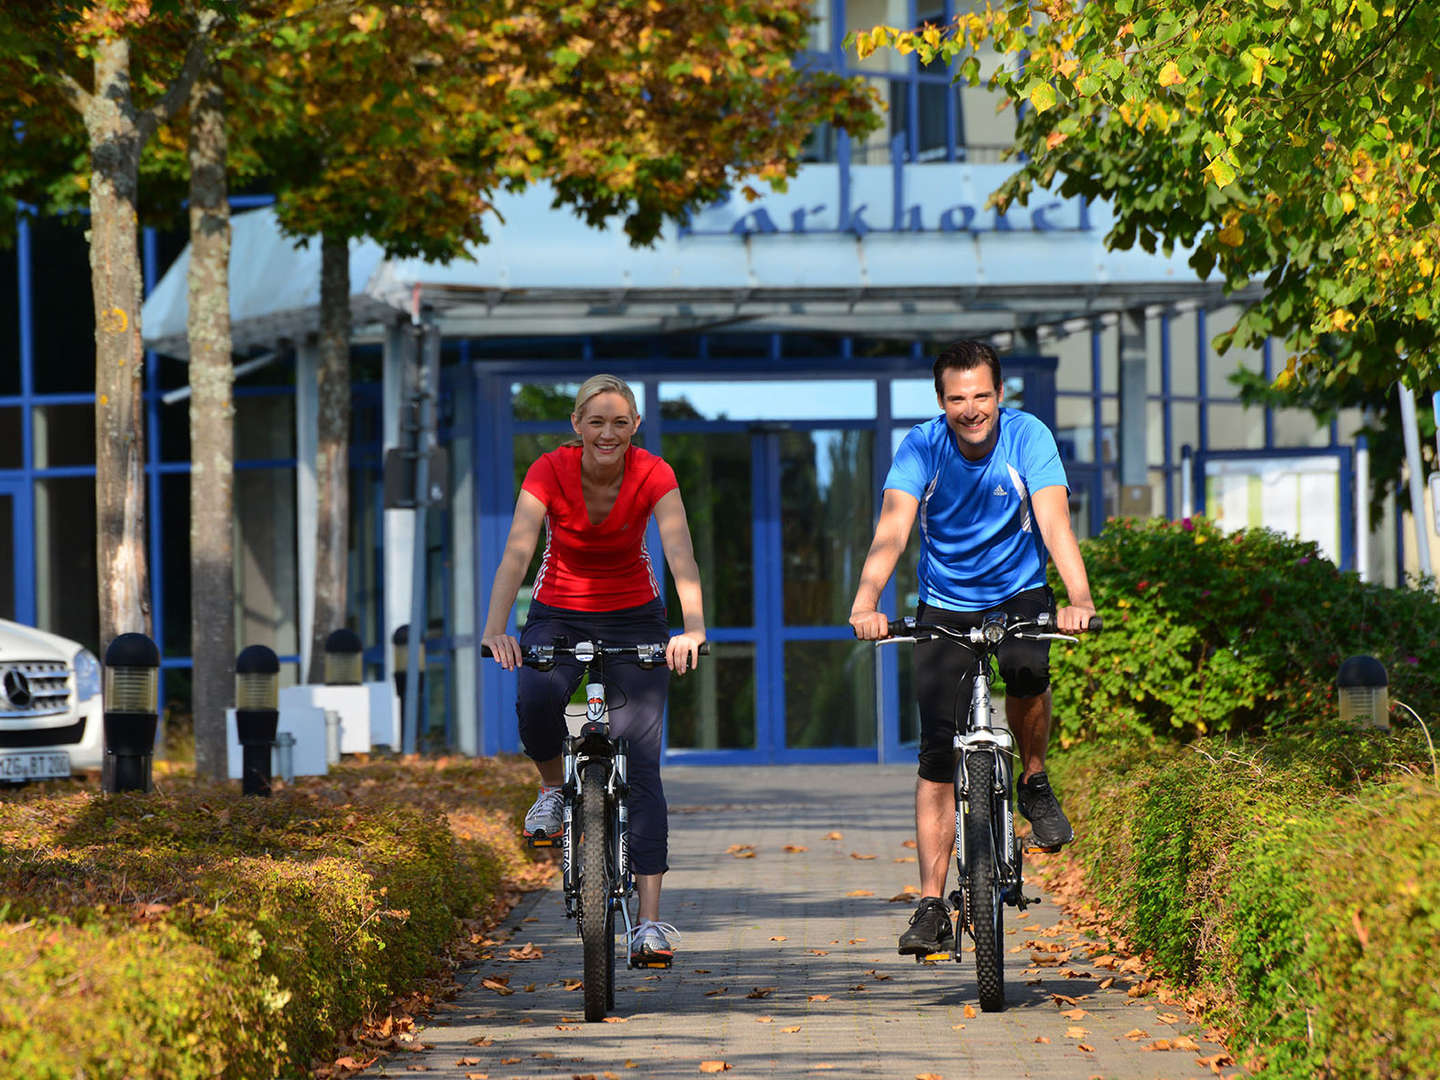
[
  {"x": 1295, "y": 880},
  {"x": 198, "y": 933},
  {"x": 1209, "y": 632}
]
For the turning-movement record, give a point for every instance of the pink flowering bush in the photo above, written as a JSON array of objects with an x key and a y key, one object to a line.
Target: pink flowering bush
[{"x": 1208, "y": 632}]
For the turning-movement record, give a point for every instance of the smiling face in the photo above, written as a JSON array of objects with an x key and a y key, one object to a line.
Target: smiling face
[
  {"x": 971, "y": 400},
  {"x": 605, "y": 425}
]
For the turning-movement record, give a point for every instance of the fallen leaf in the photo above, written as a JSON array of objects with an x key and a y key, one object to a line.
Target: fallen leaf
[
  {"x": 1166, "y": 1017},
  {"x": 417, "y": 1068},
  {"x": 1064, "y": 999},
  {"x": 529, "y": 988},
  {"x": 717, "y": 991},
  {"x": 1215, "y": 1061},
  {"x": 908, "y": 844},
  {"x": 741, "y": 851},
  {"x": 497, "y": 983},
  {"x": 834, "y": 836},
  {"x": 1074, "y": 1014},
  {"x": 779, "y": 937},
  {"x": 1159, "y": 1044},
  {"x": 904, "y": 858},
  {"x": 510, "y": 1061},
  {"x": 862, "y": 858},
  {"x": 477, "y": 1076},
  {"x": 818, "y": 997},
  {"x": 969, "y": 1012},
  {"x": 858, "y": 940},
  {"x": 1136, "y": 1034},
  {"x": 714, "y": 1066},
  {"x": 1360, "y": 931},
  {"x": 795, "y": 849},
  {"x": 352, "y": 1063},
  {"x": 1042, "y": 1038},
  {"x": 1086, "y": 1047},
  {"x": 764, "y": 1019},
  {"x": 818, "y": 952},
  {"x": 572, "y": 984},
  {"x": 791, "y": 1030},
  {"x": 1185, "y": 1042},
  {"x": 545, "y": 1055},
  {"x": 1074, "y": 1031},
  {"x": 567, "y": 1027},
  {"x": 928, "y": 1076},
  {"x": 761, "y": 992},
  {"x": 1107, "y": 961},
  {"x": 861, "y": 892},
  {"x": 528, "y": 951},
  {"x": 617, "y": 1019},
  {"x": 469, "y": 1061},
  {"x": 1107, "y": 982}
]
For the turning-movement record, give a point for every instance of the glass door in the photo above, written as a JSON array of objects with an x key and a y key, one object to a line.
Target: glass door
[{"x": 17, "y": 585}]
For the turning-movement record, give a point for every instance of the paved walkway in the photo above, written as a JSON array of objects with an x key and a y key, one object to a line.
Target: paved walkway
[{"x": 788, "y": 964}]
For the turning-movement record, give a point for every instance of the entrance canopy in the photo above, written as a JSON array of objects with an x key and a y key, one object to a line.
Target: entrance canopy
[{"x": 907, "y": 251}]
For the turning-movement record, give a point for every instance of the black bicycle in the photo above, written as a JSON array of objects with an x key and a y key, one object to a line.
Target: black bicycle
[
  {"x": 988, "y": 856},
  {"x": 595, "y": 851}
]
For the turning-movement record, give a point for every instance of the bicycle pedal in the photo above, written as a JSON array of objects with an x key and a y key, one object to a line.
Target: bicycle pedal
[
  {"x": 542, "y": 841},
  {"x": 1032, "y": 849},
  {"x": 932, "y": 958}
]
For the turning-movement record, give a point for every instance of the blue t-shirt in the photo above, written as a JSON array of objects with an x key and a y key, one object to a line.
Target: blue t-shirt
[{"x": 979, "y": 541}]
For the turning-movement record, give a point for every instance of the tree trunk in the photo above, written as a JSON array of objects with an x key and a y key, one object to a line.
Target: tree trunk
[
  {"x": 212, "y": 428},
  {"x": 332, "y": 454},
  {"x": 115, "y": 143}
]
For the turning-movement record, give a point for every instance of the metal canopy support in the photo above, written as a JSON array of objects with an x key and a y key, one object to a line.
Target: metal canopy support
[
  {"x": 398, "y": 361},
  {"x": 426, "y": 392},
  {"x": 1134, "y": 466},
  {"x": 307, "y": 441}
]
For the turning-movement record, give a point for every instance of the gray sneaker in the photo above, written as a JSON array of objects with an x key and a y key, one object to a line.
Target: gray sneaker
[
  {"x": 545, "y": 820},
  {"x": 650, "y": 944}
]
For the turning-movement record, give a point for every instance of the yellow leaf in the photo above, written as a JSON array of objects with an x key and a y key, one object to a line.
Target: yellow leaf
[
  {"x": 1232, "y": 235},
  {"x": 1042, "y": 97},
  {"x": 1054, "y": 139},
  {"x": 1220, "y": 172},
  {"x": 1170, "y": 75},
  {"x": 1340, "y": 320},
  {"x": 1347, "y": 200}
]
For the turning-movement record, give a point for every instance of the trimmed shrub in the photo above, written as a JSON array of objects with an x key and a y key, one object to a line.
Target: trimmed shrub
[
  {"x": 1211, "y": 633},
  {"x": 1293, "y": 879},
  {"x": 196, "y": 932}
]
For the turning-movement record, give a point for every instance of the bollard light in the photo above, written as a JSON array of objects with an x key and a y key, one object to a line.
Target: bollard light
[
  {"x": 1364, "y": 695},
  {"x": 132, "y": 679},
  {"x": 257, "y": 695},
  {"x": 344, "y": 659},
  {"x": 400, "y": 647}
]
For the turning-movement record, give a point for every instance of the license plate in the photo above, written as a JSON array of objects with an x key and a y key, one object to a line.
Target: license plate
[{"x": 38, "y": 766}]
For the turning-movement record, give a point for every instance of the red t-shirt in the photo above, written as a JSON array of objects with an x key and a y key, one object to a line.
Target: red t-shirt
[{"x": 602, "y": 567}]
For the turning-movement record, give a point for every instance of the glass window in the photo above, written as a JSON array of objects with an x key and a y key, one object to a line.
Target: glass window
[
  {"x": 1075, "y": 427},
  {"x": 266, "y": 581},
  {"x": 987, "y": 124},
  {"x": 1297, "y": 427},
  {"x": 63, "y": 311},
  {"x": 820, "y": 25},
  {"x": 12, "y": 439},
  {"x": 1184, "y": 428},
  {"x": 829, "y": 694},
  {"x": 1234, "y": 427},
  {"x": 9, "y": 321},
  {"x": 66, "y": 584},
  {"x": 1183, "y": 355},
  {"x": 913, "y": 399},
  {"x": 555, "y": 401},
  {"x": 714, "y": 708},
  {"x": 714, "y": 474},
  {"x": 264, "y": 427},
  {"x": 8, "y": 569},
  {"x": 1073, "y": 371},
  {"x": 826, "y": 515},
  {"x": 64, "y": 435},
  {"x": 174, "y": 512},
  {"x": 789, "y": 399}
]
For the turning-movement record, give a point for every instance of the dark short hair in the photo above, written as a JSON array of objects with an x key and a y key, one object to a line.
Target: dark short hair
[{"x": 962, "y": 356}]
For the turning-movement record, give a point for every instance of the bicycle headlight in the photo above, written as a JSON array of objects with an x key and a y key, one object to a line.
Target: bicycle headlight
[
  {"x": 87, "y": 675},
  {"x": 994, "y": 629}
]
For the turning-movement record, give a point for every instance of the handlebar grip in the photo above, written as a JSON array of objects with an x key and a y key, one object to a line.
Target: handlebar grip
[
  {"x": 704, "y": 648},
  {"x": 1096, "y": 624},
  {"x": 485, "y": 651}
]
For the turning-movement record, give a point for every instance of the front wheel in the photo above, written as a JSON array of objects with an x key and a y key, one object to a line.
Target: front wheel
[
  {"x": 597, "y": 919},
  {"x": 987, "y": 907}
]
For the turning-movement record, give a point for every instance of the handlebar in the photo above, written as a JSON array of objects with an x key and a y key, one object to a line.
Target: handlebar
[
  {"x": 991, "y": 632},
  {"x": 542, "y": 657}
]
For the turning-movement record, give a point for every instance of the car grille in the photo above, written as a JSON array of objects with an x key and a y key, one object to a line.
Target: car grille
[{"x": 31, "y": 688}]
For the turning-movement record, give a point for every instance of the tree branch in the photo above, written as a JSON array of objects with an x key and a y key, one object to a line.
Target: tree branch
[
  {"x": 74, "y": 93},
  {"x": 179, "y": 92}
]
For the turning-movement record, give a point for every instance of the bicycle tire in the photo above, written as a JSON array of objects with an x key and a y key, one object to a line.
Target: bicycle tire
[
  {"x": 987, "y": 906},
  {"x": 597, "y": 919}
]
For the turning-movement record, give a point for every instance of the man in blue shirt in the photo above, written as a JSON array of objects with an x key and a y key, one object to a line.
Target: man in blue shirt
[{"x": 993, "y": 505}]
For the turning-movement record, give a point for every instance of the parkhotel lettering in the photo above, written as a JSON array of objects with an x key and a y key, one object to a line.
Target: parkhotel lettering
[{"x": 760, "y": 219}]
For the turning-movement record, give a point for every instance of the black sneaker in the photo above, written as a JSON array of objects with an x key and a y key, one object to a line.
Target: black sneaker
[
  {"x": 1049, "y": 827},
  {"x": 929, "y": 929}
]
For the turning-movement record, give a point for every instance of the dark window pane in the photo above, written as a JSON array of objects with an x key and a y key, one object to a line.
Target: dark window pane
[
  {"x": 12, "y": 439},
  {"x": 64, "y": 310},
  {"x": 714, "y": 476},
  {"x": 9, "y": 321},
  {"x": 714, "y": 708},
  {"x": 7, "y": 557},
  {"x": 64, "y": 435},
  {"x": 174, "y": 511},
  {"x": 66, "y": 585},
  {"x": 829, "y": 694},
  {"x": 826, "y": 519}
]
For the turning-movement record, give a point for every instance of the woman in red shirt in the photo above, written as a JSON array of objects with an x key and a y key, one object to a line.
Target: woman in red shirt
[{"x": 594, "y": 498}]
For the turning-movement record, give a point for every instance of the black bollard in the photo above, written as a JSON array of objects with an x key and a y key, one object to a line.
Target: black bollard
[
  {"x": 257, "y": 682},
  {"x": 132, "y": 670},
  {"x": 400, "y": 641},
  {"x": 344, "y": 659}
]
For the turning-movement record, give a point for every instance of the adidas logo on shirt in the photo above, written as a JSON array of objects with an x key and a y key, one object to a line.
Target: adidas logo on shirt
[{"x": 999, "y": 490}]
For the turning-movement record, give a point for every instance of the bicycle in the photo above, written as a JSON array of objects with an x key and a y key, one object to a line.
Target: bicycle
[
  {"x": 596, "y": 784},
  {"x": 989, "y": 858}
]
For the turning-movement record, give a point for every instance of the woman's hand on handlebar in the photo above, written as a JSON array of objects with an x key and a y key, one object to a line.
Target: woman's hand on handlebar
[
  {"x": 504, "y": 648},
  {"x": 870, "y": 625},
  {"x": 1074, "y": 618},
  {"x": 683, "y": 649}
]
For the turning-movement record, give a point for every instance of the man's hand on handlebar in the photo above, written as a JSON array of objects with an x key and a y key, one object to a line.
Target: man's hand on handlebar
[
  {"x": 683, "y": 649},
  {"x": 504, "y": 648},
  {"x": 870, "y": 625},
  {"x": 1074, "y": 618}
]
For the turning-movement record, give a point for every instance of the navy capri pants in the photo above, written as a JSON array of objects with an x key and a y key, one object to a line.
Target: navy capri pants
[{"x": 637, "y": 708}]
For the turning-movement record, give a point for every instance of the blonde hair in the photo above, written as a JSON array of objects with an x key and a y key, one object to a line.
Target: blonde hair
[{"x": 605, "y": 384}]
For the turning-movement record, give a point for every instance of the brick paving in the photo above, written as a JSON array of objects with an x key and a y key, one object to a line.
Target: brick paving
[{"x": 788, "y": 965}]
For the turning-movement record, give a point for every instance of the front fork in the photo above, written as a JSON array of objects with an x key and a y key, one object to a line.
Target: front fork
[
  {"x": 1000, "y": 744},
  {"x": 617, "y": 793}
]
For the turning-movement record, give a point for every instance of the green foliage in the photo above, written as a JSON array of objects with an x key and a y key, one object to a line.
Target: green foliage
[
  {"x": 1289, "y": 142},
  {"x": 1211, "y": 632},
  {"x": 1293, "y": 882},
  {"x": 199, "y": 933}
]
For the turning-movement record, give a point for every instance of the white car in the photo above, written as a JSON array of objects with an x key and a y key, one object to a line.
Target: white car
[{"x": 51, "y": 712}]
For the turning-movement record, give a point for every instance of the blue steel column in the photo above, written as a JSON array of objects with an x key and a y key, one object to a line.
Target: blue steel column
[
  {"x": 1097, "y": 431},
  {"x": 1267, "y": 355},
  {"x": 1166, "y": 412},
  {"x": 887, "y": 666}
]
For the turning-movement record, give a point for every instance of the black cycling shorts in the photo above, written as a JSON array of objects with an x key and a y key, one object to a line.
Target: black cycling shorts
[{"x": 943, "y": 675}]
